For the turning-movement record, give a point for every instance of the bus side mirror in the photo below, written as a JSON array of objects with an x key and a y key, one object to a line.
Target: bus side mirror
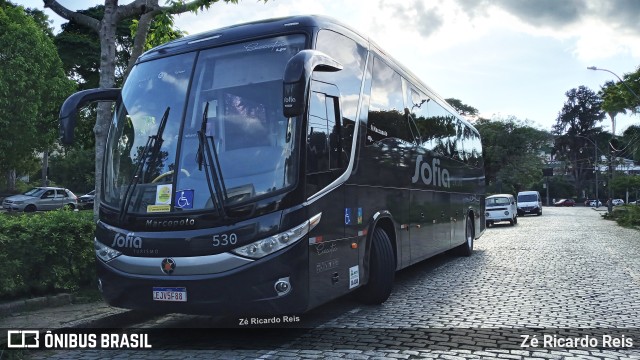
[
  {"x": 69, "y": 110},
  {"x": 297, "y": 76}
]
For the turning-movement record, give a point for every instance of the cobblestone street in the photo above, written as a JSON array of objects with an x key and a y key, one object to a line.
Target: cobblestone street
[{"x": 565, "y": 270}]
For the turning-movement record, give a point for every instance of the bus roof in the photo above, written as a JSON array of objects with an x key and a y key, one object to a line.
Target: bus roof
[
  {"x": 282, "y": 26},
  {"x": 239, "y": 32}
]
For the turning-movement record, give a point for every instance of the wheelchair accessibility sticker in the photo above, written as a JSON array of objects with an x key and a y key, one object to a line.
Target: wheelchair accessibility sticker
[
  {"x": 350, "y": 216},
  {"x": 184, "y": 199}
]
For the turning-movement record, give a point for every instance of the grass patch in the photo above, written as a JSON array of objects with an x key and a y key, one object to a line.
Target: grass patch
[{"x": 626, "y": 215}]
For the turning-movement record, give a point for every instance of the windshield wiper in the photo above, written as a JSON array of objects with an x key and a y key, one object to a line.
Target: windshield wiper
[
  {"x": 208, "y": 155},
  {"x": 154, "y": 142}
]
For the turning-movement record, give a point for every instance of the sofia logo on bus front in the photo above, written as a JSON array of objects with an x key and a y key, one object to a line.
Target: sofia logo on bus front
[
  {"x": 430, "y": 174},
  {"x": 128, "y": 241}
]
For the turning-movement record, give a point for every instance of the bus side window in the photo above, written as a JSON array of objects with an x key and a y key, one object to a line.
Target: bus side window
[
  {"x": 317, "y": 135},
  {"x": 325, "y": 156},
  {"x": 337, "y": 157}
]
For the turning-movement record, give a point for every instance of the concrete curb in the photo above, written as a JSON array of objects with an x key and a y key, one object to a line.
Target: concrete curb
[{"x": 13, "y": 307}]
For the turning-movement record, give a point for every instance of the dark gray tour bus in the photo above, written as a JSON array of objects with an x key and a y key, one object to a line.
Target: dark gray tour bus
[{"x": 272, "y": 166}]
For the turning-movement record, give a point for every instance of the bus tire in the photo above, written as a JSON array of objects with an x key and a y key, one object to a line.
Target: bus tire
[
  {"x": 382, "y": 270},
  {"x": 466, "y": 248}
]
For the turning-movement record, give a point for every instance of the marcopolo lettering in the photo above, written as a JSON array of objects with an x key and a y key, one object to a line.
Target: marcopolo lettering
[
  {"x": 169, "y": 223},
  {"x": 430, "y": 174},
  {"x": 129, "y": 241}
]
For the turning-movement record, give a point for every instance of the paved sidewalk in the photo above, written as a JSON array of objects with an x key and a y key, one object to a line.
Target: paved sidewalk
[{"x": 71, "y": 315}]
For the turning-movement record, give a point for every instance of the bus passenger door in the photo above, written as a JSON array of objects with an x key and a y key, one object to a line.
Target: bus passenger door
[{"x": 330, "y": 253}]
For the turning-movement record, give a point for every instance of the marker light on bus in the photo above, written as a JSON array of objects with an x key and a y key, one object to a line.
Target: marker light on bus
[
  {"x": 104, "y": 252},
  {"x": 264, "y": 247}
]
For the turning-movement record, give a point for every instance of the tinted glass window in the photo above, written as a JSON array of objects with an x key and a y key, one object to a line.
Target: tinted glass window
[
  {"x": 325, "y": 158},
  {"x": 353, "y": 58},
  {"x": 527, "y": 198},
  {"x": 387, "y": 118},
  {"x": 317, "y": 134}
]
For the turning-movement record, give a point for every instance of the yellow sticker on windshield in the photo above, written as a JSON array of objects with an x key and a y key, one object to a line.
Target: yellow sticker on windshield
[
  {"x": 163, "y": 194},
  {"x": 158, "y": 208}
]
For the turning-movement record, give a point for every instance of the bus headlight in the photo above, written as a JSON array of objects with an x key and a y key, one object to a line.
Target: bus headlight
[
  {"x": 104, "y": 252},
  {"x": 264, "y": 247}
]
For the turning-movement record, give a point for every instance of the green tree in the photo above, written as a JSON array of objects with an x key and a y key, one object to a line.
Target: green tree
[
  {"x": 106, "y": 27},
  {"x": 629, "y": 144},
  {"x": 577, "y": 133},
  {"x": 74, "y": 169},
  {"x": 617, "y": 95},
  {"x": 632, "y": 80},
  {"x": 31, "y": 68},
  {"x": 511, "y": 149},
  {"x": 613, "y": 101},
  {"x": 621, "y": 184}
]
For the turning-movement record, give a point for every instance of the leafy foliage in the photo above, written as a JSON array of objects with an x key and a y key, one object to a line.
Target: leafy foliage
[
  {"x": 620, "y": 184},
  {"x": 46, "y": 252},
  {"x": 162, "y": 30},
  {"x": 578, "y": 137},
  {"x": 627, "y": 216},
  {"x": 75, "y": 170},
  {"x": 629, "y": 144},
  {"x": 511, "y": 150},
  {"x": 30, "y": 67},
  {"x": 619, "y": 97}
]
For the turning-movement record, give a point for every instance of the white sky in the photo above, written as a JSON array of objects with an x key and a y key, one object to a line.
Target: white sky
[{"x": 503, "y": 57}]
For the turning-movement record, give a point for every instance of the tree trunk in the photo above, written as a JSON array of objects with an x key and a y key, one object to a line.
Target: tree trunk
[
  {"x": 45, "y": 169},
  {"x": 144, "y": 24},
  {"x": 11, "y": 180},
  {"x": 107, "y": 76}
]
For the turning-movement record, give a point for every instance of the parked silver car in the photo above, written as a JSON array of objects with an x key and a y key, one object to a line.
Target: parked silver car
[
  {"x": 41, "y": 198},
  {"x": 86, "y": 201}
]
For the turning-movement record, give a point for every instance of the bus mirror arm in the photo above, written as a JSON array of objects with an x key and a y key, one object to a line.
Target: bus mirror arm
[
  {"x": 69, "y": 110},
  {"x": 297, "y": 76}
]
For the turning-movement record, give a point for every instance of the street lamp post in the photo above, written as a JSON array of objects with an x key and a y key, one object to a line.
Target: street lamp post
[
  {"x": 609, "y": 206},
  {"x": 616, "y": 75},
  {"x": 613, "y": 130}
]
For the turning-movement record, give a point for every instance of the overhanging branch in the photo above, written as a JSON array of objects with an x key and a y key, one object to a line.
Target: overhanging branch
[{"x": 65, "y": 13}]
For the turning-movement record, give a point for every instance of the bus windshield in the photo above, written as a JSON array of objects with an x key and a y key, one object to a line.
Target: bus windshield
[{"x": 154, "y": 158}]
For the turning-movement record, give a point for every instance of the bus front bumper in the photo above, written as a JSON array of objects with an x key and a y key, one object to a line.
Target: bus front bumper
[{"x": 246, "y": 290}]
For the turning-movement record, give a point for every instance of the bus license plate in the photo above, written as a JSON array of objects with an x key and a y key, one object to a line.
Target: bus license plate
[{"x": 178, "y": 294}]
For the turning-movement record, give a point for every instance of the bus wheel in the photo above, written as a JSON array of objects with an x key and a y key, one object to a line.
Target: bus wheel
[
  {"x": 467, "y": 247},
  {"x": 381, "y": 270}
]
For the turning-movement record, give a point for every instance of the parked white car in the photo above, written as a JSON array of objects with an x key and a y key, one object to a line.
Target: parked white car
[
  {"x": 617, "y": 202},
  {"x": 501, "y": 207}
]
